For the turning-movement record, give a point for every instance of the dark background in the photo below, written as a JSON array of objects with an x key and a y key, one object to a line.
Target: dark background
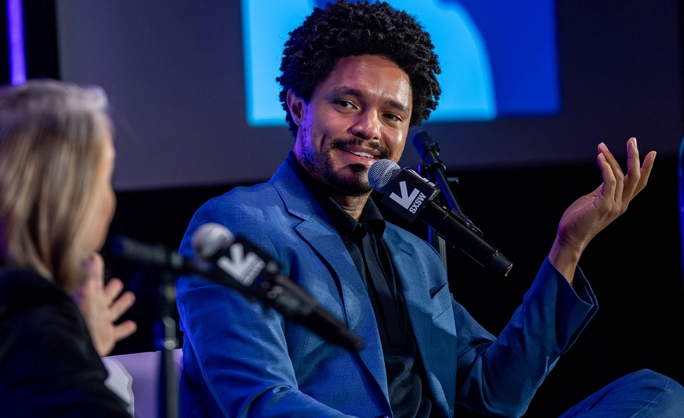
[{"x": 620, "y": 77}]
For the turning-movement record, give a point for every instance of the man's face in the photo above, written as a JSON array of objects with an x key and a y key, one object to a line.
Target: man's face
[{"x": 357, "y": 116}]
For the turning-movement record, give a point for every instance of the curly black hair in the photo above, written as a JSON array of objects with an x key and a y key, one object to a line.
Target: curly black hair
[{"x": 345, "y": 29}]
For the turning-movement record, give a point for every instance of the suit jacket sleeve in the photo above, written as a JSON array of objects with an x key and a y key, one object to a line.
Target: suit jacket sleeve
[
  {"x": 501, "y": 376},
  {"x": 235, "y": 353}
]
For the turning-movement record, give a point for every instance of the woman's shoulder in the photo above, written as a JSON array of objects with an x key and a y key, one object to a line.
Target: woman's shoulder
[
  {"x": 46, "y": 350},
  {"x": 25, "y": 289}
]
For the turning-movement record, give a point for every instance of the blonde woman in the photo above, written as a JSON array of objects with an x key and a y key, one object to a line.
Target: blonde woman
[{"x": 56, "y": 203}]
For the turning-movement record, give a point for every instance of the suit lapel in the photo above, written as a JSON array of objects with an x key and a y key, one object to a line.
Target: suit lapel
[
  {"x": 325, "y": 241},
  {"x": 438, "y": 353},
  {"x": 357, "y": 305}
]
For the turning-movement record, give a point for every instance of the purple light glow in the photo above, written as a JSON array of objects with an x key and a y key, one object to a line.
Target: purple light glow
[{"x": 15, "y": 28}]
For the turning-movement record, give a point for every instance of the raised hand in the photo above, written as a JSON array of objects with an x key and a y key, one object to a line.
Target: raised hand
[
  {"x": 590, "y": 214},
  {"x": 101, "y": 305}
]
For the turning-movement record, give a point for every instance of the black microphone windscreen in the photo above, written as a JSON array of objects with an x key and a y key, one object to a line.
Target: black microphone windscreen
[
  {"x": 138, "y": 251},
  {"x": 144, "y": 253},
  {"x": 382, "y": 173}
]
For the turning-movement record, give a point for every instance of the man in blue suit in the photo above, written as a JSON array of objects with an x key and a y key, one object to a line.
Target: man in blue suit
[{"x": 355, "y": 77}]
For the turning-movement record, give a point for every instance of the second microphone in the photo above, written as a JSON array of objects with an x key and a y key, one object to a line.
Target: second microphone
[{"x": 411, "y": 196}]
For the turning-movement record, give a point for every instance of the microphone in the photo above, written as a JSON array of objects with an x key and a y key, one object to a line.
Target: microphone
[
  {"x": 152, "y": 254},
  {"x": 239, "y": 264},
  {"x": 259, "y": 276},
  {"x": 168, "y": 260},
  {"x": 411, "y": 196}
]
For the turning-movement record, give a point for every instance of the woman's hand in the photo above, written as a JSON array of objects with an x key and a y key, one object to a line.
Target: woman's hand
[{"x": 102, "y": 305}]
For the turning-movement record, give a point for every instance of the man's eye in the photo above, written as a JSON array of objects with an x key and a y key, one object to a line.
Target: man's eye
[
  {"x": 344, "y": 103},
  {"x": 394, "y": 117}
]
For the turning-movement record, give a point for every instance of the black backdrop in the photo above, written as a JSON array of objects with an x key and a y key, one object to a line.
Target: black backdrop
[{"x": 635, "y": 266}]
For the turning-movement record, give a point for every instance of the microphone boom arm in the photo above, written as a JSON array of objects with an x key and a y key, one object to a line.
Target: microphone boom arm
[
  {"x": 462, "y": 234},
  {"x": 436, "y": 170}
]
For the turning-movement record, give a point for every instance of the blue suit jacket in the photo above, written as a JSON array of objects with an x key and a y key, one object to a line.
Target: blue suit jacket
[{"x": 243, "y": 360}]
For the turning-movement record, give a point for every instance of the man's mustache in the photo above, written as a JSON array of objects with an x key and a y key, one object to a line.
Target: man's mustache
[{"x": 344, "y": 143}]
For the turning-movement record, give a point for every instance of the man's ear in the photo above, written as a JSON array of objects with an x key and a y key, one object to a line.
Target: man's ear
[{"x": 296, "y": 106}]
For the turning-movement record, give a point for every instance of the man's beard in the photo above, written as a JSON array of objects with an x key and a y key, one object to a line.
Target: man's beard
[{"x": 322, "y": 166}]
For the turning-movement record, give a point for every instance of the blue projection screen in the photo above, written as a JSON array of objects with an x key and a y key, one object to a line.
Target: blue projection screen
[
  {"x": 535, "y": 82},
  {"x": 497, "y": 58}
]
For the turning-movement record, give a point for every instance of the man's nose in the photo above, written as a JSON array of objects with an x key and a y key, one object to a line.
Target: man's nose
[{"x": 367, "y": 125}]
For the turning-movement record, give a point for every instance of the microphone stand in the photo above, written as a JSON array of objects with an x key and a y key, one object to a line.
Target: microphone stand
[
  {"x": 433, "y": 237},
  {"x": 167, "y": 401},
  {"x": 165, "y": 329},
  {"x": 434, "y": 170}
]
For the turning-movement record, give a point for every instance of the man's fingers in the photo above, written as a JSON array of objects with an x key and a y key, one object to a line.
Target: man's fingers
[
  {"x": 633, "y": 163},
  {"x": 608, "y": 187},
  {"x": 617, "y": 173},
  {"x": 646, "y": 169},
  {"x": 610, "y": 158},
  {"x": 633, "y": 177}
]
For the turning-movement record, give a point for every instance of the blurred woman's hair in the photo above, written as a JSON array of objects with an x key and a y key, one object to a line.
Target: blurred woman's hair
[{"x": 52, "y": 137}]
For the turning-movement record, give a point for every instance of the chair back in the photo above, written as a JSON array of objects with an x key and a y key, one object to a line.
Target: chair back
[{"x": 135, "y": 378}]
